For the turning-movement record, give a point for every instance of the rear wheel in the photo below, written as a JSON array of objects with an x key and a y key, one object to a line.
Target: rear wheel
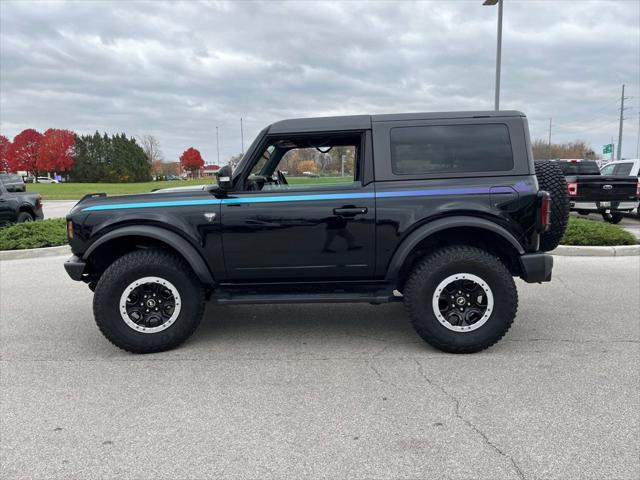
[
  {"x": 551, "y": 179},
  {"x": 148, "y": 301},
  {"x": 461, "y": 299},
  {"x": 612, "y": 217},
  {"x": 25, "y": 217}
]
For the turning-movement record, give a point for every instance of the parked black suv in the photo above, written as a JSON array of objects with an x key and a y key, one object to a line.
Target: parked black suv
[
  {"x": 439, "y": 210},
  {"x": 17, "y": 206}
]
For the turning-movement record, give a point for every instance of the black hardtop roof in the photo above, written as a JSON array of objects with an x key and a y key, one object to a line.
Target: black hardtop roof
[{"x": 362, "y": 122}]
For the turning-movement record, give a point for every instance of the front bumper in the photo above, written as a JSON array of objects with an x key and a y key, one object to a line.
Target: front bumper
[
  {"x": 536, "y": 267},
  {"x": 75, "y": 267}
]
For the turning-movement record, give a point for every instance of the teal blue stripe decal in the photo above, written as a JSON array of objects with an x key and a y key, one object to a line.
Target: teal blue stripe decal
[
  {"x": 172, "y": 203},
  {"x": 303, "y": 198}
]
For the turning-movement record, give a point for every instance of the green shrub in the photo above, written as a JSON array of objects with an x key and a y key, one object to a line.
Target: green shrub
[
  {"x": 47, "y": 233},
  {"x": 589, "y": 232}
]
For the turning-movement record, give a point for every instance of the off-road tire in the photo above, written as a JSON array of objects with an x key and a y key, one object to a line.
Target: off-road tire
[
  {"x": 613, "y": 217},
  {"x": 25, "y": 217},
  {"x": 131, "y": 267},
  {"x": 551, "y": 179},
  {"x": 434, "y": 268}
]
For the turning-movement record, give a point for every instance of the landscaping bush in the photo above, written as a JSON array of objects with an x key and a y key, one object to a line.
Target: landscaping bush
[
  {"x": 47, "y": 233},
  {"x": 589, "y": 232}
]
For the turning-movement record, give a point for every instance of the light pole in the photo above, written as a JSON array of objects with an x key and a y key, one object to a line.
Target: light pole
[
  {"x": 499, "y": 49},
  {"x": 218, "y": 145}
]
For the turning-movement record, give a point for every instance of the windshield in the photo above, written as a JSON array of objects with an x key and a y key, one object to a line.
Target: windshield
[{"x": 247, "y": 154}]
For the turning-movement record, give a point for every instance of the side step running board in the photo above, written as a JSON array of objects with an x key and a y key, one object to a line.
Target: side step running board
[{"x": 224, "y": 298}]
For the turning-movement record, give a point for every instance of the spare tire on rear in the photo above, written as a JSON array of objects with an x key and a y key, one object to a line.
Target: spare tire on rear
[{"x": 551, "y": 179}]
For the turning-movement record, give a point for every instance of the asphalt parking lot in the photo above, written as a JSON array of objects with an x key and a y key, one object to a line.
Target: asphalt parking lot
[
  {"x": 338, "y": 391},
  {"x": 57, "y": 208}
]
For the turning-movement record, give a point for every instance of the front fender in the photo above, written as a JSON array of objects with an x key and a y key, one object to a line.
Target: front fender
[{"x": 180, "y": 244}]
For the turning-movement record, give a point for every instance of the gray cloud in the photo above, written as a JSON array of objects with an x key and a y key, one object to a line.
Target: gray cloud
[{"x": 178, "y": 69}]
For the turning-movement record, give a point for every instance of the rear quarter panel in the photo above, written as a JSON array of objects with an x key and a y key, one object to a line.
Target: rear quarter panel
[{"x": 404, "y": 203}]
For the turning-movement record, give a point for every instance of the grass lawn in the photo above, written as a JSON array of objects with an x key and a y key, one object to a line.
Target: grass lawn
[
  {"x": 45, "y": 233},
  {"x": 584, "y": 232},
  {"x": 75, "y": 191}
]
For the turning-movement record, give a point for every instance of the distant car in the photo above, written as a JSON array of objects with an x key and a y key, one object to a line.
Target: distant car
[
  {"x": 591, "y": 191},
  {"x": 628, "y": 168},
  {"x": 13, "y": 182},
  {"x": 173, "y": 178},
  {"x": 47, "y": 180},
  {"x": 18, "y": 207},
  {"x": 310, "y": 174}
]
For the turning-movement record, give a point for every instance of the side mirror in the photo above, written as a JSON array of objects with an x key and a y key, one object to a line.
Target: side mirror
[{"x": 224, "y": 178}]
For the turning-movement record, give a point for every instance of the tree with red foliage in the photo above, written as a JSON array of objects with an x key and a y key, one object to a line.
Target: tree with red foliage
[
  {"x": 191, "y": 160},
  {"x": 24, "y": 152},
  {"x": 56, "y": 153},
  {"x": 4, "y": 153}
]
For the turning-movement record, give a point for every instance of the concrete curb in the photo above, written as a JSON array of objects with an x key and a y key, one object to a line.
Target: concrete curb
[
  {"x": 615, "y": 251},
  {"x": 35, "y": 252}
]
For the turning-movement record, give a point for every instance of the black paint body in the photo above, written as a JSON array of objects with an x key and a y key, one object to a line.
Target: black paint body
[{"x": 349, "y": 233}]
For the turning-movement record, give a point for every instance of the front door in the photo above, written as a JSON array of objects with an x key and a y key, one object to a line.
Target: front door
[{"x": 304, "y": 214}]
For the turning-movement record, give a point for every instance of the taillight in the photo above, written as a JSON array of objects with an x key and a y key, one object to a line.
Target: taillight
[
  {"x": 38, "y": 201},
  {"x": 638, "y": 189},
  {"x": 70, "y": 229},
  {"x": 572, "y": 189},
  {"x": 545, "y": 211}
]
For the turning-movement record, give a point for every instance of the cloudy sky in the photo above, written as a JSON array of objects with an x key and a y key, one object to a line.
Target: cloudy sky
[{"x": 177, "y": 70}]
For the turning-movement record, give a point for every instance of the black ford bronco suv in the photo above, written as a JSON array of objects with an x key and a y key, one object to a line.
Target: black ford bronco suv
[{"x": 438, "y": 210}]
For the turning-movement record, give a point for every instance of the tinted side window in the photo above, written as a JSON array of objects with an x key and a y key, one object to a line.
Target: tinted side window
[
  {"x": 608, "y": 170},
  {"x": 623, "y": 169},
  {"x": 450, "y": 149}
]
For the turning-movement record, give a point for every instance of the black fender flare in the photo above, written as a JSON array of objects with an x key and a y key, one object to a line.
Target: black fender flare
[
  {"x": 435, "y": 226},
  {"x": 182, "y": 246}
]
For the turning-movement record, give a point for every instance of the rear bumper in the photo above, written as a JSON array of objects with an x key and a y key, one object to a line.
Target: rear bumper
[
  {"x": 598, "y": 207},
  {"x": 536, "y": 267},
  {"x": 75, "y": 267}
]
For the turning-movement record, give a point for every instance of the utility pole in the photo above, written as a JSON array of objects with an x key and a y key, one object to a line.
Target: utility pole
[
  {"x": 550, "y": 137},
  {"x": 241, "y": 136},
  {"x": 218, "y": 145},
  {"x": 622, "y": 99},
  {"x": 638, "y": 144}
]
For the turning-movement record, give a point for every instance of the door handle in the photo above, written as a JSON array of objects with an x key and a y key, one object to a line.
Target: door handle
[{"x": 349, "y": 211}]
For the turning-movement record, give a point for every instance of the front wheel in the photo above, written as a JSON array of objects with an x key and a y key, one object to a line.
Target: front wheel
[
  {"x": 461, "y": 299},
  {"x": 148, "y": 301},
  {"x": 613, "y": 217},
  {"x": 25, "y": 217}
]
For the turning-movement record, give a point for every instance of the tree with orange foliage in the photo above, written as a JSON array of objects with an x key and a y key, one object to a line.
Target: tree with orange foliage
[
  {"x": 191, "y": 160},
  {"x": 24, "y": 152},
  {"x": 56, "y": 150}
]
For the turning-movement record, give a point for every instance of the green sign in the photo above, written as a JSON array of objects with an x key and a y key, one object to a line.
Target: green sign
[{"x": 608, "y": 148}]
